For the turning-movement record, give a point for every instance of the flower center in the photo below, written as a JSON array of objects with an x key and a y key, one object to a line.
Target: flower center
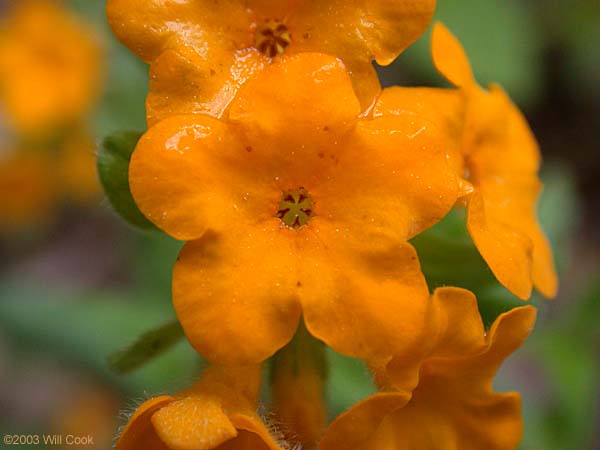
[
  {"x": 295, "y": 208},
  {"x": 272, "y": 38}
]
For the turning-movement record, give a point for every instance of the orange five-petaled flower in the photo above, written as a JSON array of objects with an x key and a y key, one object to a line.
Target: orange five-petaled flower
[
  {"x": 496, "y": 152},
  {"x": 295, "y": 205},
  {"x": 202, "y": 51},
  {"x": 453, "y": 406}
]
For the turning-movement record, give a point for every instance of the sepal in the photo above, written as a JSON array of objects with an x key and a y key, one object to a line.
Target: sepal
[
  {"x": 145, "y": 348},
  {"x": 113, "y": 171}
]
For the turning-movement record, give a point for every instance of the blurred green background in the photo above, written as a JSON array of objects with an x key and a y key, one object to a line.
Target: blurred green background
[{"x": 78, "y": 290}]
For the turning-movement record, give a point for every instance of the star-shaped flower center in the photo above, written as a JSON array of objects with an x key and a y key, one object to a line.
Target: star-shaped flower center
[
  {"x": 272, "y": 38},
  {"x": 295, "y": 208}
]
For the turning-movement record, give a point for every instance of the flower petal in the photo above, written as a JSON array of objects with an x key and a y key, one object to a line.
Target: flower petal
[
  {"x": 455, "y": 306},
  {"x": 218, "y": 412},
  {"x": 149, "y": 27},
  {"x": 508, "y": 332},
  {"x": 410, "y": 184},
  {"x": 193, "y": 423},
  {"x": 139, "y": 432},
  {"x": 210, "y": 34},
  {"x": 192, "y": 172},
  {"x": 252, "y": 435},
  {"x": 181, "y": 82},
  {"x": 199, "y": 51},
  {"x": 453, "y": 407},
  {"x": 492, "y": 423},
  {"x": 443, "y": 107},
  {"x": 275, "y": 105},
  {"x": 450, "y": 58},
  {"x": 506, "y": 250},
  {"x": 543, "y": 271},
  {"x": 441, "y": 338},
  {"x": 352, "y": 429},
  {"x": 504, "y": 164},
  {"x": 364, "y": 29},
  {"x": 357, "y": 32},
  {"x": 498, "y": 138},
  {"x": 502, "y": 160},
  {"x": 244, "y": 280},
  {"x": 484, "y": 419},
  {"x": 365, "y": 81},
  {"x": 361, "y": 301}
]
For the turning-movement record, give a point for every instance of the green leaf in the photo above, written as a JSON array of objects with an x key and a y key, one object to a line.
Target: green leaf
[
  {"x": 349, "y": 382},
  {"x": 122, "y": 105},
  {"x": 563, "y": 352},
  {"x": 559, "y": 210},
  {"x": 113, "y": 169},
  {"x": 146, "y": 347},
  {"x": 152, "y": 266},
  {"x": 579, "y": 34},
  {"x": 502, "y": 41},
  {"x": 80, "y": 329}
]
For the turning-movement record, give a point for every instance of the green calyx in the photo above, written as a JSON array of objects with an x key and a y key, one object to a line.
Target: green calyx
[{"x": 113, "y": 170}]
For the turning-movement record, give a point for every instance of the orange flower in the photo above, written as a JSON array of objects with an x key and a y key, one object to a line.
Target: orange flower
[
  {"x": 497, "y": 154},
  {"x": 201, "y": 52},
  {"x": 219, "y": 413},
  {"x": 293, "y": 204},
  {"x": 89, "y": 411},
  {"x": 75, "y": 168},
  {"x": 50, "y": 67},
  {"x": 453, "y": 406},
  {"x": 25, "y": 197},
  {"x": 33, "y": 181}
]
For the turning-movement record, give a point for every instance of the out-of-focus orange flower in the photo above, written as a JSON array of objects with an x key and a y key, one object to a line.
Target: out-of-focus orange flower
[
  {"x": 219, "y": 413},
  {"x": 50, "y": 67},
  {"x": 75, "y": 168},
  {"x": 90, "y": 412},
  {"x": 25, "y": 197},
  {"x": 497, "y": 154},
  {"x": 295, "y": 205},
  {"x": 50, "y": 74},
  {"x": 36, "y": 179},
  {"x": 202, "y": 51},
  {"x": 454, "y": 406},
  {"x": 502, "y": 159}
]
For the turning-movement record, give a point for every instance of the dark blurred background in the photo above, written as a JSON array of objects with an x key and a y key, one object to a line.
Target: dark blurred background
[{"x": 79, "y": 284}]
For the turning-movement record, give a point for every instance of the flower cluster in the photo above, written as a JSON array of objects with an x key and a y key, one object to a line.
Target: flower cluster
[
  {"x": 50, "y": 74},
  {"x": 297, "y": 183}
]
